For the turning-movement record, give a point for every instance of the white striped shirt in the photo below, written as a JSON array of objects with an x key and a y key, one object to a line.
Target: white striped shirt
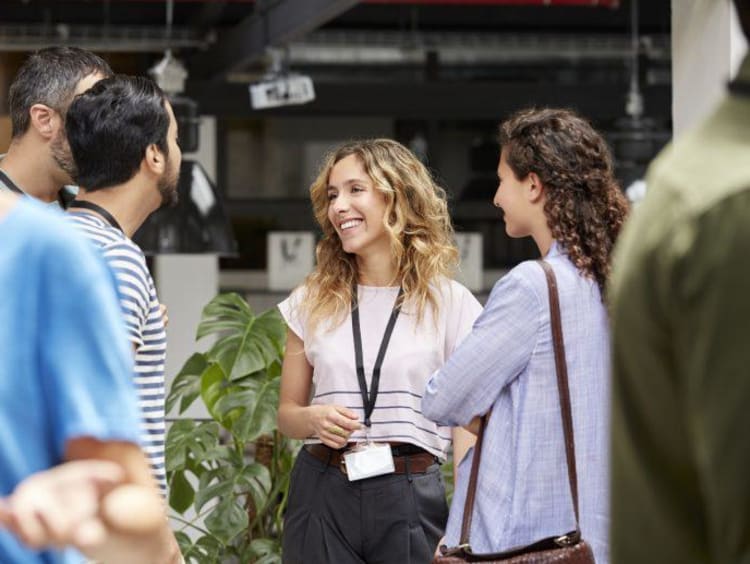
[
  {"x": 414, "y": 353},
  {"x": 145, "y": 327}
]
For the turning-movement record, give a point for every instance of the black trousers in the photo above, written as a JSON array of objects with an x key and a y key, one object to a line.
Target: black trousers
[{"x": 390, "y": 519}]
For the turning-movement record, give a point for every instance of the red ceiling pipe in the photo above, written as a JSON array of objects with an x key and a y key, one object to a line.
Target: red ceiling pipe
[
  {"x": 592, "y": 3},
  {"x": 599, "y": 3}
]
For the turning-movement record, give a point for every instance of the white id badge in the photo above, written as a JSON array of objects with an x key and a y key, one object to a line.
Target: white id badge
[{"x": 368, "y": 461}]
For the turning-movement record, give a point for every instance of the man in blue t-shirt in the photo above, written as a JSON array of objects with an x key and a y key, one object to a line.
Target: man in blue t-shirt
[{"x": 66, "y": 390}]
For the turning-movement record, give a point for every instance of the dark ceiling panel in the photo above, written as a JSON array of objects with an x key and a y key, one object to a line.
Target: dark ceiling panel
[
  {"x": 273, "y": 25},
  {"x": 542, "y": 3},
  {"x": 654, "y": 17},
  {"x": 117, "y": 12},
  {"x": 474, "y": 20},
  {"x": 430, "y": 14},
  {"x": 450, "y": 100}
]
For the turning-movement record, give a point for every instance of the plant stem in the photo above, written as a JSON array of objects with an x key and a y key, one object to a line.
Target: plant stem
[{"x": 191, "y": 524}]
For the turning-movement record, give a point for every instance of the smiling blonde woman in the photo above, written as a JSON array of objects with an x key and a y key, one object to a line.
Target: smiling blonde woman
[{"x": 368, "y": 327}]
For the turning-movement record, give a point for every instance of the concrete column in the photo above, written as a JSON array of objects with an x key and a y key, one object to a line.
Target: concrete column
[
  {"x": 186, "y": 283},
  {"x": 707, "y": 48}
]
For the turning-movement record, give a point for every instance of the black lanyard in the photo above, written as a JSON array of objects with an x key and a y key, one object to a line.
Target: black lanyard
[
  {"x": 5, "y": 179},
  {"x": 369, "y": 402},
  {"x": 9, "y": 183},
  {"x": 98, "y": 209},
  {"x": 740, "y": 88}
]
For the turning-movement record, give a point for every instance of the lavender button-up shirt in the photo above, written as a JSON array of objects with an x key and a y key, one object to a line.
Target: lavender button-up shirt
[{"x": 507, "y": 364}]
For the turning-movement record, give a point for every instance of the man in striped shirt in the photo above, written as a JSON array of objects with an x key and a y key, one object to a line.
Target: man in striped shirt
[{"x": 123, "y": 137}]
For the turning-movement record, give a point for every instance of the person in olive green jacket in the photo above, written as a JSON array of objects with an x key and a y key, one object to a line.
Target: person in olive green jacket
[{"x": 681, "y": 336}]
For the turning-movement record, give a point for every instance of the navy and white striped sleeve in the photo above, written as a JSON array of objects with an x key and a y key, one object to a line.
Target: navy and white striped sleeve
[{"x": 129, "y": 267}]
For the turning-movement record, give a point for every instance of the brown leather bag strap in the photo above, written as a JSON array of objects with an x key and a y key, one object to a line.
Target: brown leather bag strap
[
  {"x": 471, "y": 492},
  {"x": 561, "y": 368}
]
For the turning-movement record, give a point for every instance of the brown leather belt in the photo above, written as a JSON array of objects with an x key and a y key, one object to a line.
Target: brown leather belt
[{"x": 417, "y": 463}]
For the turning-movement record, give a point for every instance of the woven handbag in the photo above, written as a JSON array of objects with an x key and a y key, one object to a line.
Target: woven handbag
[{"x": 568, "y": 548}]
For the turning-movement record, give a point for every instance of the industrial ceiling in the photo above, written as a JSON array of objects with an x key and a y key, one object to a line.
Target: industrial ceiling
[{"x": 510, "y": 51}]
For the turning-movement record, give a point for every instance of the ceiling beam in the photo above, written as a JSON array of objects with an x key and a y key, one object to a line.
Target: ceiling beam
[
  {"x": 433, "y": 100},
  {"x": 209, "y": 14},
  {"x": 272, "y": 24},
  {"x": 543, "y": 3}
]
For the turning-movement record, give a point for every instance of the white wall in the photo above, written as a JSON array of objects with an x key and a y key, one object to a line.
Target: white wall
[
  {"x": 278, "y": 157},
  {"x": 707, "y": 47},
  {"x": 186, "y": 283}
]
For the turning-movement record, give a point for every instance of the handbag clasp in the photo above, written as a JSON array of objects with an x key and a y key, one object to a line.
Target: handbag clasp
[
  {"x": 455, "y": 550},
  {"x": 565, "y": 540}
]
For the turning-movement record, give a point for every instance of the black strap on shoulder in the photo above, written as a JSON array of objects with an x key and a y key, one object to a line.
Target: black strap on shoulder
[
  {"x": 13, "y": 187},
  {"x": 108, "y": 217},
  {"x": 740, "y": 88},
  {"x": 369, "y": 401},
  {"x": 568, "y": 539},
  {"x": 5, "y": 179}
]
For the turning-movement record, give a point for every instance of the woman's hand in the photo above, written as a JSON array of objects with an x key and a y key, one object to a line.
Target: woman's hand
[
  {"x": 164, "y": 314},
  {"x": 61, "y": 506},
  {"x": 333, "y": 424},
  {"x": 89, "y": 505}
]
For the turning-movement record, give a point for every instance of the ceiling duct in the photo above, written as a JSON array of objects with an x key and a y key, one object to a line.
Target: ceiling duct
[
  {"x": 461, "y": 48},
  {"x": 119, "y": 38}
]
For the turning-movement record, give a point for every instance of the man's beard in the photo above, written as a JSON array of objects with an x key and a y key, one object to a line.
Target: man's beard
[
  {"x": 167, "y": 185},
  {"x": 62, "y": 156}
]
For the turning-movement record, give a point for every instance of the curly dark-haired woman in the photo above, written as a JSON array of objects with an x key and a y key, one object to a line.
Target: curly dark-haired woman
[{"x": 556, "y": 184}]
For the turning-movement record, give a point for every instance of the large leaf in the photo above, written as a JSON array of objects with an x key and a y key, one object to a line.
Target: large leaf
[
  {"x": 206, "y": 550},
  {"x": 225, "y": 313},
  {"x": 220, "y": 453},
  {"x": 227, "y": 520},
  {"x": 217, "y": 483},
  {"x": 259, "y": 402},
  {"x": 271, "y": 323},
  {"x": 213, "y": 388},
  {"x": 186, "y": 438},
  {"x": 184, "y": 542},
  {"x": 245, "y": 343},
  {"x": 274, "y": 370},
  {"x": 224, "y": 483},
  {"x": 187, "y": 383},
  {"x": 255, "y": 479},
  {"x": 181, "y": 492},
  {"x": 263, "y": 551}
]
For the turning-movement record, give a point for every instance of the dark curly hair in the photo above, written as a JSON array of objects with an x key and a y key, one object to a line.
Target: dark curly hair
[{"x": 585, "y": 206}]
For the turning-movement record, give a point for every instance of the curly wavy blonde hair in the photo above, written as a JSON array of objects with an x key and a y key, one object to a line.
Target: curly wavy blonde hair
[
  {"x": 416, "y": 220},
  {"x": 585, "y": 206}
]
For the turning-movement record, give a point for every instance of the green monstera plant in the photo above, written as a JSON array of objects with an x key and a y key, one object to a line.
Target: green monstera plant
[{"x": 229, "y": 476}]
